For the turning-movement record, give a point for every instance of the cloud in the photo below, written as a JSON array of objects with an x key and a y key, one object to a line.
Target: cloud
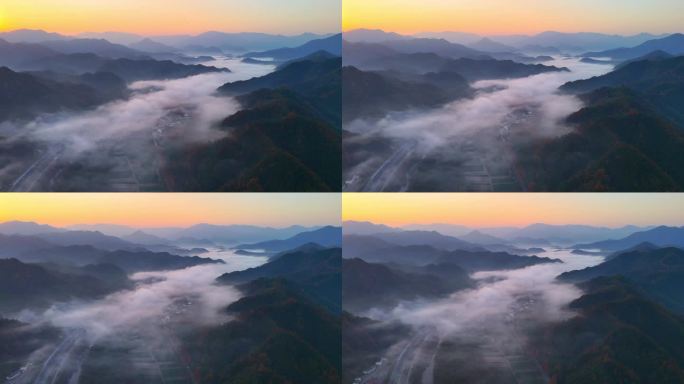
[
  {"x": 495, "y": 102},
  {"x": 531, "y": 291},
  {"x": 152, "y": 299}
]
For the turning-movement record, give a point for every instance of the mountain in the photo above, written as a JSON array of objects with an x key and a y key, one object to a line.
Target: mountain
[
  {"x": 316, "y": 79},
  {"x": 659, "y": 84},
  {"x": 285, "y": 328},
  {"x": 284, "y": 139},
  {"x": 376, "y": 249},
  {"x": 146, "y": 261},
  {"x": 566, "y": 233},
  {"x": 489, "y": 45},
  {"x": 327, "y": 237},
  {"x": 370, "y": 94},
  {"x": 314, "y": 271},
  {"x": 14, "y": 245},
  {"x": 35, "y": 250},
  {"x": 26, "y": 228},
  {"x": 231, "y": 234},
  {"x": 140, "y": 237},
  {"x": 653, "y": 56},
  {"x": 431, "y": 238},
  {"x": 99, "y": 47},
  {"x": 445, "y": 229},
  {"x": 332, "y": 45},
  {"x": 277, "y": 335},
  {"x": 632, "y": 264},
  {"x": 673, "y": 45},
  {"x": 620, "y": 143},
  {"x": 23, "y": 96},
  {"x": 301, "y": 75},
  {"x": 236, "y": 42},
  {"x": 123, "y": 38},
  {"x": 452, "y": 36},
  {"x": 618, "y": 336},
  {"x": 658, "y": 273},
  {"x": 107, "y": 229},
  {"x": 364, "y": 228},
  {"x": 279, "y": 142},
  {"x": 636, "y": 75},
  {"x": 16, "y": 55},
  {"x": 30, "y": 36},
  {"x": 30, "y": 286},
  {"x": 473, "y": 261},
  {"x": 134, "y": 70},
  {"x": 427, "y": 63},
  {"x": 371, "y": 36},
  {"x": 440, "y": 47},
  {"x": 95, "y": 239},
  {"x": 576, "y": 42},
  {"x": 659, "y": 236},
  {"x": 477, "y": 237},
  {"x": 474, "y": 70},
  {"x": 355, "y": 245},
  {"x": 366, "y": 285},
  {"x": 151, "y": 46},
  {"x": 359, "y": 54}
]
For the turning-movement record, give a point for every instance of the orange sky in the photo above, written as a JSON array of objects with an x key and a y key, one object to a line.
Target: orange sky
[
  {"x": 160, "y": 17},
  {"x": 494, "y": 209},
  {"x": 491, "y": 17},
  {"x": 171, "y": 209}
]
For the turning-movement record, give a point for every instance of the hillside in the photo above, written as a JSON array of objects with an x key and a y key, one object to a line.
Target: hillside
[
  {"x": 23, "y": 96},
  {"x": 328, "y": 236},
  {"x": 659, "y": 236},
  {"x": 315, "y": 272},
  {"x": 372, "y": 285},
  {"x": 624, "y": 338},
  {"x": 659, "y": 82},
  {"x": 619, "y": 144},
  {"x": 332, "y": 45},
  {"x": 25, "y": 286},
  {"x": 658, "y": 274},
  {"x": 374, "y": 94},
  {"x": 673, "y": 44}
]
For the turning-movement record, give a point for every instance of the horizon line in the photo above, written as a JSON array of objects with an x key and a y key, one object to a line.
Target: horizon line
[
  {"x": 512, "y": 226},
  {"x": 412, "y": 34},
  {"x": 193, "y": 34}
]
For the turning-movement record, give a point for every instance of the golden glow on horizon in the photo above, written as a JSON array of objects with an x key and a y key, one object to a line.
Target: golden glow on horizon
[
  {"x": 165, "y": 17},
  {"x": 172, "y": 209},
  {"x": 492, "y": 17},
  {"x": 495, "y": 209}
]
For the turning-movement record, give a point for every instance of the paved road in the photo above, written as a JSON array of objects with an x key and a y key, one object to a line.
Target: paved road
[
  {"x": 33, "y": 176},
  {"x": 390, "y": 169},
  {"x": 56, "y": 364}
]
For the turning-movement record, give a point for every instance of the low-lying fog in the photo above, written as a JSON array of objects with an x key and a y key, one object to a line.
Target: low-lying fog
[
  {"x": 479, "y": 335},
  {"x": 467, "y": 144},
  {"x": 148, "y": 303},
  {"x": 497, "y": 297},
  {"x": 179, "y": 111},
  {"x": 494, "y": 102}
]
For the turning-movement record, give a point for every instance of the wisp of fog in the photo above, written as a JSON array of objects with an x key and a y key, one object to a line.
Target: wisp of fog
[
  {"x": 487, "y": 307},
  {"x": 494, "y": 102},
  {"x": 153, "y": 294},
  {"x": 151, "y": 100}
]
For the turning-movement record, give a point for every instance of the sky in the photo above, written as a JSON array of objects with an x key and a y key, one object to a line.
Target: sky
[
  {"x": 492, "y": 17},
  {"x": 501, "y": 209},
  {"x": 164, "y": 17},
  {"x": 143, "y": 210}
]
